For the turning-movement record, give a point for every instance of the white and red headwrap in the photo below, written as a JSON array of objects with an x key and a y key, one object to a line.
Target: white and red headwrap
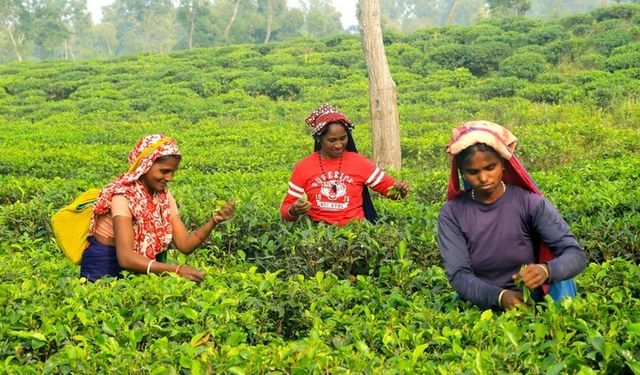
[
  {"x": 326, "y": 114},
  {"x": 487, "y": 132},
  {"x": 151, "y": 213}
]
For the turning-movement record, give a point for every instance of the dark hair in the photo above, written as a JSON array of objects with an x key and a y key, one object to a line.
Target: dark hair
[
  {"x": 351, "y": 144},
  {"x": 463, "y": 156},
  {"x": 167, "y": 157},
  {"x": 367, "y": 204}
]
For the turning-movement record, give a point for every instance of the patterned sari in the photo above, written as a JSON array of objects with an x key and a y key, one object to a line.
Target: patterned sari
[{"x": 151, "y": 212}]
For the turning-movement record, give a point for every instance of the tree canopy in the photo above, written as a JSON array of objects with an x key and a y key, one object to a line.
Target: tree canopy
[{"x": 63, "y": 29}]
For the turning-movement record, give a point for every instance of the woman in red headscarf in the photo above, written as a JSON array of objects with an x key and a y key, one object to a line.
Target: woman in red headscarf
[
  {"x": 501, "y": 229},
  {"x": 135, "y": 218},
  {"x": 331, "y": 185}
]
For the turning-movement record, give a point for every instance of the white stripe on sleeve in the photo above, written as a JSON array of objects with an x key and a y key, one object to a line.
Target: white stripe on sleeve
[
  {"x": 373, "y": 175},
  {"x": 293, "y": 193},
  {"x": 377, "y": 181},
  {"x": 295, "y": 188}
]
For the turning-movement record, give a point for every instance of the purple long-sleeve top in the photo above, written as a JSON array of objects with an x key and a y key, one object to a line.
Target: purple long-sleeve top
[{"x": 484, "y": 245}]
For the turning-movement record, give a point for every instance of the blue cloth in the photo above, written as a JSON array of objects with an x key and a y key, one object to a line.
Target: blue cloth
[
  {"x": 562, "y": 289},
  {"x": 99, "y": 260}
]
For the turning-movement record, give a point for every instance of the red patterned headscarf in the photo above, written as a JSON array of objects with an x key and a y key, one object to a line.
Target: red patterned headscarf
[
  {"x": 151, "y": 213},
  {"x": 326, "y": 114}
]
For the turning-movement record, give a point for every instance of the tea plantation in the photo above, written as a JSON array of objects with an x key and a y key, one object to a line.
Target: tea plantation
[{"x": 298, "y": 298}]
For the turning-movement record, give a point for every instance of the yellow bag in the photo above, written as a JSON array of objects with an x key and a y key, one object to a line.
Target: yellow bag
[{"x": 71, "y": 225}]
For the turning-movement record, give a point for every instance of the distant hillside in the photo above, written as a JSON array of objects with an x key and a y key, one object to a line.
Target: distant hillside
[{"x": 593, "y": 59}]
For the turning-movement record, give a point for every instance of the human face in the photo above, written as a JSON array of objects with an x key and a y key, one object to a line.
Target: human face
[
  {"x": 483, "y": 171},
  {"x": 160, "y": 174},
  {"x": 333, "y": 141}
]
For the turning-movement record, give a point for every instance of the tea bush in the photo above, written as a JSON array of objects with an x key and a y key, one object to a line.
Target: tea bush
[
  {"x": 311, "y": 298},
  {"x": 525, "y": 65},
  {"x": 545, "y": 93},
  {"x": 607, "y": 41},
  {"x": 500, "y": 86},
  {"x": 622, "y": 61}
]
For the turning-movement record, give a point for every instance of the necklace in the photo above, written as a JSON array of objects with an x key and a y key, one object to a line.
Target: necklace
[
  {"x": 333, "y": 185},
  {"x": 473, "y": 192}
]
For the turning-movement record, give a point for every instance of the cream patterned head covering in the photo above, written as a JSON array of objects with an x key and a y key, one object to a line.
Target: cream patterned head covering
[{"x": 487, "y": 132}]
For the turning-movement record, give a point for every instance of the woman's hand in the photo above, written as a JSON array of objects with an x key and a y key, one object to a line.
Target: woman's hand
[
  {"x": 189, "y": 273},
  {"x": 510, "y": 299},
  {"x": 300, "y": 206},
  {"x": 533, "y": 275},
  {"x": 400, "y": 188},
  {"x": 225, "y": 213}
]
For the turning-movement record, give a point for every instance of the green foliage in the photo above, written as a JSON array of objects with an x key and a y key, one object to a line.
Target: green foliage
[
  {"x": 311, "y": 298},
  {"x": 578, "y": 22},
  {"x": 607, "y": 41},
  {"x": 449, "y": 56},
  {"x": 486, "y": 57},
  {"x": 457, "y": 78},
  {"x": 252, "y": 322},
  {"x": 500, "y": 86},
  {"x": 624, "y": 11},
  {"x": 517, "y": 24},
  {"x": 564, "y": 50},
  {"x": 525, "y": 65},
  {"x": 545, "y": 93},
  {"x": 546, "y": 34},
  {"x": 620, "y": 61}
]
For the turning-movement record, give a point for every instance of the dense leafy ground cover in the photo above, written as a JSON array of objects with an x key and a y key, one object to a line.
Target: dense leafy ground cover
[{"x": 277, "y": 297}]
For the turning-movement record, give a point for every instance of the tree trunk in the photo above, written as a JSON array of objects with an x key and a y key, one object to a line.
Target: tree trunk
[
  {"x": 68, "y": 52},
  {"x": 73, "y": 57},
  {"x": 109, "y": 48},
  {"x": 232, "y": 19},
  {"x": 385, "y": 123},
  {"x": 452, "y": 12},
  {"x": 192, "y": 12},
  {"x": 267, "y": 34},
  {"x": 15, "y": 45}
]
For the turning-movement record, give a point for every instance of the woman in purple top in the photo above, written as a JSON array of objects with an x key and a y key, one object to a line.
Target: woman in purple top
[{"x": 489, "y": 231}]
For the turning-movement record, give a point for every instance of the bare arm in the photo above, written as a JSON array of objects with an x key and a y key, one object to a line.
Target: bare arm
[
  {"x": 132, "y": 261},
  {"x": 187, "y": 242}
]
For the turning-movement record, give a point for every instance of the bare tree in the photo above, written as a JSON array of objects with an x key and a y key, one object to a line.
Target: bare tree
[
  {"x": 106, "y": 32},
  {"x": 267, "y": 34},
  {"x": 68, "y": 52},
  {"x": 236, "y": 5},
  {"x": 15, "y": 40},
  {"x": 453, "y": 12},
  {"x": 385, "y": 123},
  {"x": 191, "y": 16},
  {"x": 9, "y": 18}
]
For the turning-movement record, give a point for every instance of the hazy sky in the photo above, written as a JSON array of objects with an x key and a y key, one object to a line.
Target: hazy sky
[{"x": 346, "y": 7}]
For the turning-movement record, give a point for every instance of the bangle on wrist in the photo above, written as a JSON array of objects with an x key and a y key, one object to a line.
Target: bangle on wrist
[
  {"x": 178, "y": 268},
  {"x": 149, "y": 265},
  {"x": 500, "y": 297},
  {"x": 545, "y": 270}
]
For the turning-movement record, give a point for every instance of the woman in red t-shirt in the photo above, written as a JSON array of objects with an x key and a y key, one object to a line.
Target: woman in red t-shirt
[{"x": 330, "y": 185}]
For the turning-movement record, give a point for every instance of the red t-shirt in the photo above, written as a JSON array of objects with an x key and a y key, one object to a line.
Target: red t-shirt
[{"x": 336, "y": 194}]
